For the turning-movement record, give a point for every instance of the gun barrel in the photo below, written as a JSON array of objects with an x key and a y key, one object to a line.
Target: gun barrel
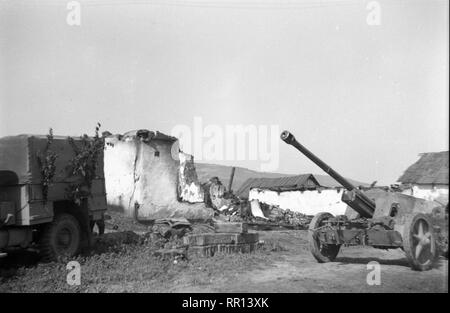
[
  {"x": 290, "y": 139},
  {"x": 354, "y": 197}
]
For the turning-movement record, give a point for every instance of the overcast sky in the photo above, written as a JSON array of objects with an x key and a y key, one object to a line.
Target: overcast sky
[{"x": 367, "y": 99}]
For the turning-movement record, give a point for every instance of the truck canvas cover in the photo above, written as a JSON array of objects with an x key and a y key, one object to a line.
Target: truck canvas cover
[{"x": 19, "y": 154}]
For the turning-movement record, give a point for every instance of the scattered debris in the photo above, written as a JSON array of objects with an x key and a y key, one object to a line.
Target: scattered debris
[
  {"x": 116, "y": 221},
  {"x": 280, "y": 216},
  {"x": 171, "y": 228},
  {"x": 214, "y": 193},
  {"x": 174, "y": 253},
  {"x": 230, "y": 208},
  {"x": 189, "y": 188},
  {"x": 231, "y": 227},
  {"x": 111, "y": 239}
]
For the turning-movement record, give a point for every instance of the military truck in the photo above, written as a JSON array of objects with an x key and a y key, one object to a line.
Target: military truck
[{"x": 48, "y": 199}]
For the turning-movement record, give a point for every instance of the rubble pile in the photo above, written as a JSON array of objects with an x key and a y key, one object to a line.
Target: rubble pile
[
  {"x": 176, "y": 238},
  {"x": 230, "y": 208},
  {"x": 281, "y": 216},
  {"x": 167, "y": 234},
  {"x": 224, "y": 202},
  {"x": 180, "y": 239}
]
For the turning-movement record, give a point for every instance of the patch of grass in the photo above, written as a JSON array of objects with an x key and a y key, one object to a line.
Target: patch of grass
[
  {"x": 273, "y": 246},
  {"x": 120, "y": 222},
  {"x": 128, "y": 264},
  {"x": 131, "y": 268}
]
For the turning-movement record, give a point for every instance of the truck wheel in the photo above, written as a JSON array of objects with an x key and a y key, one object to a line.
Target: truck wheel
[
  {"x": 419, "y": 242},
  {"x": 61, "y": 238},
  {"x": 322, "y": 252}
]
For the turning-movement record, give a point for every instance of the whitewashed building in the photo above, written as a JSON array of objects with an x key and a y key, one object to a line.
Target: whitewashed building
[
  {"x": 309, "y": 202},
  {"x": 301, "y": 193},
  {"x": 428, "y": 177}
]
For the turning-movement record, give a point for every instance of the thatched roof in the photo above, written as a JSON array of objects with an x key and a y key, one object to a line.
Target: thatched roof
[{"x": 431, "y": 168}]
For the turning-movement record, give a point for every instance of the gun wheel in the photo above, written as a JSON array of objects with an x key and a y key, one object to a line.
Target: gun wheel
[
  {"x": 419, "y": 242},
  {"x": 322, "y": 252}
]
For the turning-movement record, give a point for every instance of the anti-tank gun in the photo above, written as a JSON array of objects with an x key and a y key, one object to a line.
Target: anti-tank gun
[{"x": 382, "y": 219}]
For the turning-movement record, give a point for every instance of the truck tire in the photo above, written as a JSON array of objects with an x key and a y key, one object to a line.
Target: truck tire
[
  {"x": 419, "y": 242},
  {"x": 61, "y": 238},
  {"x": 322, "y": 252}
]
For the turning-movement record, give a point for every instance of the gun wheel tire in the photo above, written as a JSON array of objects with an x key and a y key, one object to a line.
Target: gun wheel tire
[
  {"x": 61, "y": 238},
  {"x": 322, "y": 252},
  {"x": 419, "y": 242}
]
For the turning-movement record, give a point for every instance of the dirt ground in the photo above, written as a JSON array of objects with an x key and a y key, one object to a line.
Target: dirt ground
[
  {"x": 295, "y": 270},
  {"x": 283, "y": 265}
]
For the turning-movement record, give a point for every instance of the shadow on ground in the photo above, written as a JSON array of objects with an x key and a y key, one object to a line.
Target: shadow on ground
[
  {"x": 365, "y": 260},
  {"x": 16, "y": 260}
]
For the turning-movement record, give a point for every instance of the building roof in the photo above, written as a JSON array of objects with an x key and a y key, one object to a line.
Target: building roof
[
  {"x": 431, "y": 168},
  {"x": 304, "y": 181}
]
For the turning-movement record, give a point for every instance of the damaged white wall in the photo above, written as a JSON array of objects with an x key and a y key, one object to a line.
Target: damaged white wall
[
  {"x": 429, "y": 192},
  {"x": 189, "y": 188},
  {"x": 141, "y": 172},
  {"x": 309, "y": 202}
]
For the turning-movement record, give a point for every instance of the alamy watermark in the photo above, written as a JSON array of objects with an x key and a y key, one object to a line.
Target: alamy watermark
[
  {"x": 373, "y": 278},
  {"x": 230, "y": 143},
  {"x": 74, "y": 13},
  {"x": 73, "y": 278},
  {"x": 73, "y": 17},
  {"x": 374, "y": 16}
]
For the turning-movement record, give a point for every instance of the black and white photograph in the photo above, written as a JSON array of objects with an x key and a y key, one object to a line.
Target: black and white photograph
[{"x": 224, "y": 147}]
